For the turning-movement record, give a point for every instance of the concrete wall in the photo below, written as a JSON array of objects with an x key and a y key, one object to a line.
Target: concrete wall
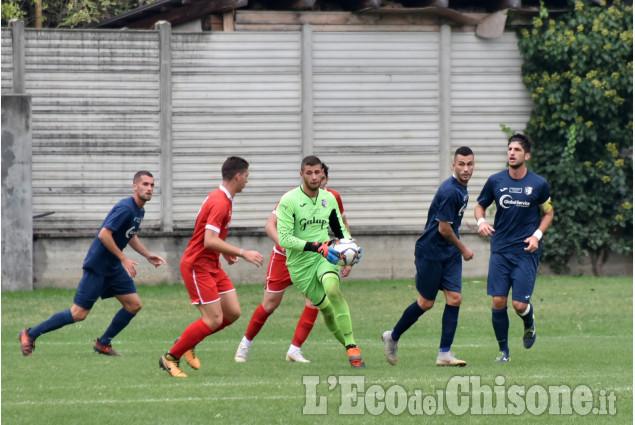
[
  {"x": 58, "y": 260},
  {"x": 17, "y": 209}
]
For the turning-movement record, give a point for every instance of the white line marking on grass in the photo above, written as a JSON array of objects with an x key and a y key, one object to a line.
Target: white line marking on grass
[{"x": 148, "y": 400}]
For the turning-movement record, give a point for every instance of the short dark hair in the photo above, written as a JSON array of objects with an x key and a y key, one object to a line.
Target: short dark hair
[
  {"x": 232, "y": 166},
  {"x": 138, "y": 175},
  {"x": 524, "y": 141},
  {"x": 325, "y": 168},
  {"x": 310, "y": 160},
  {"x": 463, "y": 151}
]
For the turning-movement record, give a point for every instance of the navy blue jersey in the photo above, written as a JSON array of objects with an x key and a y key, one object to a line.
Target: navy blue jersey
[
  {"x": 124, "y": 220},
  {"x": 448, "y": 205},
  {"x": 517, "y": 209}
]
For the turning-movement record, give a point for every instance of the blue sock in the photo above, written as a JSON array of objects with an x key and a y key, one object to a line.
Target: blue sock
[
  {"x": 528, "y": 319},
  {"x": 448, "y": 326},
  {"x": 120, "y": 321},
  {"x": 410, "y": 315},
  {"x": 500, "y": 320},
  {"x": 56, "y": 321}
]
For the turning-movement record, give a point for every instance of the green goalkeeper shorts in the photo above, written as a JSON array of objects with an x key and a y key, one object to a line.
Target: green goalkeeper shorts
[{"x": 307, "y": 277}]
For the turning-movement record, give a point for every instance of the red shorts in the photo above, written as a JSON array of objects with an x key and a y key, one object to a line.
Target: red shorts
[
  {"x": 205, "y": 286},
  {"x": 278, "y": 278}
]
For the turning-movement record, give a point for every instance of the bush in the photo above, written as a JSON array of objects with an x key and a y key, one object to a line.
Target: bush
[{"x": 579, "y": 71}]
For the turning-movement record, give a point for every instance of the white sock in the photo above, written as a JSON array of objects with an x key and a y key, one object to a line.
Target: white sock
[
  {"x": 246, "y": 341},
  {"x": 293, "y": 348}
]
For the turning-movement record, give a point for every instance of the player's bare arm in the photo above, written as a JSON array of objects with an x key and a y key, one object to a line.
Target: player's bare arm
[
  {"x": 153, "y": 259},
  {"x": 271, "y": 228},
  {"x": 484, "y": 229},
  {"x": 446, "y": 231},
  {"x": 348, "y": 229},
  {"x": 105, "y": 236},
  {"x": 231, "y": 253}
]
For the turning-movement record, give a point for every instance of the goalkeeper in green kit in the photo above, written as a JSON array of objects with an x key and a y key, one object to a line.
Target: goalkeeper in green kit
[{"x": 304, "y": 216}]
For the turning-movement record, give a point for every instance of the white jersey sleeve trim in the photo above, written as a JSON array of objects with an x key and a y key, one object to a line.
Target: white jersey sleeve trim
[{"x": 214, "y": 228}]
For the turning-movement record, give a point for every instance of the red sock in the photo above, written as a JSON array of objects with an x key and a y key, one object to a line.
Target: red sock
[
  {"x": 256, "y": 323},
  {"x": 190, "y": 337},
  {"x": 305, "y": 324}
]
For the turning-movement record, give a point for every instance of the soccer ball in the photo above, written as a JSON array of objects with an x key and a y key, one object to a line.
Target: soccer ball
[{"x": 348, "y": 252}]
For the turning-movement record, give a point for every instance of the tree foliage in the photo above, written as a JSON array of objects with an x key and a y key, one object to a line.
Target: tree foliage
[
  {"x": 11, "y": 10},
  {"x": 579, "y": 71},
  {"x": 67, "y": 13}
]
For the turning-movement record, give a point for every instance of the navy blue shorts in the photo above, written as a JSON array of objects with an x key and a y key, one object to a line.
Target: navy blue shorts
[
  {"x": 434, "y": 275},
  {"x": 93, "y": 285},
  {"x": 512, "y": 271}
]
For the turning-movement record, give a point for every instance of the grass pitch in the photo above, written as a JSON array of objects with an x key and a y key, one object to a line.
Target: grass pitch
[{"x": 585, "y": 340}]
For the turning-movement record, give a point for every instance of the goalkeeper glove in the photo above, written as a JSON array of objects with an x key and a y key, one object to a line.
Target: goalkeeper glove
[
  {"x": 323, "y": 248},
  {"x": 357, "y": 257}
]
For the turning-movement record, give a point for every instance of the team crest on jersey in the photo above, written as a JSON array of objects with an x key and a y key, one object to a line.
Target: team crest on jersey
[
  {"x": 131, "y": 232},
  {"x": 528, "y": 190},
  {"x": 324, "y": 203}
]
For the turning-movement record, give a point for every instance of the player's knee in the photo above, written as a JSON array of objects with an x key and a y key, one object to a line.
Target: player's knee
[
  {"x": 270, "y": 306},
  {"x": 134, "y": 308},
  {"x": 78, "y": 316},
  {"x": 79, "y": 313},
  {"x": 333, "y": 292},
  {"x": 454, "y": 299},
  {"x": 424, "y": 303},
  {"x": 519, "y": 306},
  {"x": 213, "y": 322},
  {"x": 499, "y": 303},
  {"x": 232, "y": 316}
]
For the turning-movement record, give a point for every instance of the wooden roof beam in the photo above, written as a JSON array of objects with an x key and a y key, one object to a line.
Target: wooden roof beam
[
  {"x": 290, "y": 4},
  {"x": 187, "y": 11}
]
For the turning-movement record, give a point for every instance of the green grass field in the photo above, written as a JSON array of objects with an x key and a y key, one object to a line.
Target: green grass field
[{"x": 585, "y": 339}]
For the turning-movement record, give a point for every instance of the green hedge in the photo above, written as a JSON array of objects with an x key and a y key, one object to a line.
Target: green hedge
[{"x": 579, "y": 71}]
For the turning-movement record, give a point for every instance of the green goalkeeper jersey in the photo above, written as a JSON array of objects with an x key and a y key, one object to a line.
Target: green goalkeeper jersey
[{"x": 303, "y": 219}]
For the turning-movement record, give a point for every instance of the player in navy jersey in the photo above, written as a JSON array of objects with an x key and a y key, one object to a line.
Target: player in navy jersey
[
  {"x": 523, "y": 214},
  {"x": 107, "y": 271},
  {"x": 438, "y": 259}
]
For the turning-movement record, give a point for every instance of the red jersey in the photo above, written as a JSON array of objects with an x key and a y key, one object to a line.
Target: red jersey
[
  {"x": 215, "y": 214},
  {"x": 340, "y": 204}
]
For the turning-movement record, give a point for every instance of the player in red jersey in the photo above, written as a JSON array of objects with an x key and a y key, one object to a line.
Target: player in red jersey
[
  {"x": 277, "y": 282},
  {"x": 209, "y": 287},
  {"x": 338, "y": 198}
]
